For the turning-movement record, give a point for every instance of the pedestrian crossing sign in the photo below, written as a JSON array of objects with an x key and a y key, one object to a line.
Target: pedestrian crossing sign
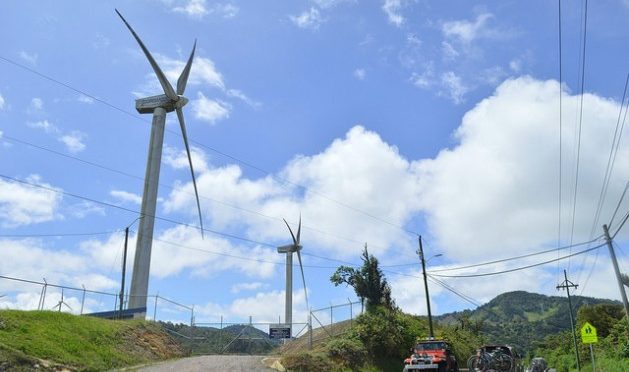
[{"x": 588, "y": 334}]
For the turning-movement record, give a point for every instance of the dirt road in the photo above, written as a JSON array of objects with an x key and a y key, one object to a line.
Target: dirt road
[{"x": 211, "y": 363}]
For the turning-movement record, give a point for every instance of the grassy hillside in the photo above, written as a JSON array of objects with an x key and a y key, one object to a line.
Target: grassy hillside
[
  {"x": 45, "y": 338},
  {"x": 521, "y": 318}
]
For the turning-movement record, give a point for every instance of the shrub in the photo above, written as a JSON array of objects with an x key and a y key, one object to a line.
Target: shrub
[
  {"x": 307, "y": 361},
  {"x": 348, "y": 352}
]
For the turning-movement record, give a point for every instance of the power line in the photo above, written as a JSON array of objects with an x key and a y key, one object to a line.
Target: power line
[
  {"x": 519, "y": 268},
  {"x": 578, "y": 156},
  {"x": 123, "y": 173},
  {"x": 58, "y": 234},
  {"x": 509, "y": 258},
  {"x": 222, "y": 153},
  {"x": 457, "y": 293},
  {"x": 223, "y": 234}
]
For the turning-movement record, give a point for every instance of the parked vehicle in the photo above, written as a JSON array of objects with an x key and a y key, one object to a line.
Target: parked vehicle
[
  {"x": 538, "y": 365},
  {"x": 498, "y": 358},
  {"x": 431, "y": 355}
]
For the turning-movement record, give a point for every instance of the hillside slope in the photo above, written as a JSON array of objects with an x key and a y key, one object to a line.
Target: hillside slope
[
  {"x": 52, "y": 340},
  {"x": 521, "y": 318}
]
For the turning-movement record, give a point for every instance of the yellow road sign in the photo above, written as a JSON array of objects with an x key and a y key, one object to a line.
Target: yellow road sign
[{"x": 588, "y": 334}]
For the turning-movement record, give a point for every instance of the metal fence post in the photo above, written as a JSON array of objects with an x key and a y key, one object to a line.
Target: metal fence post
[
  {"x": 155, "y": 308},
  {"x": 220, "y": 336},
  {"x": 331, "y": 317},
  {"x": 351, "y": 312},
  {"x": 310, "y": 330},
  {"x": 82, "y": 299}
]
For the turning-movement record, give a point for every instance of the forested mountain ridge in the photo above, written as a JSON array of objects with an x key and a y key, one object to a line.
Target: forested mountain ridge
[{"x": 519, "y": 318}]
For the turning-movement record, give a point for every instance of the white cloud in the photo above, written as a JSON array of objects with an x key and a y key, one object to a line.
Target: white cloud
[
  {"x": 178, "y": 159},
  {"x": 1, "y": 102},
  {"x": 360, "y": 73},
  {"x": 243, "y": 97},
  {"x": 496, "y": 192},
  {"x": 193, "y": 8},
  {"x": 466, "y": 31},
  {"x": 74, "y": 141},
  {"x": 210, "y": 110},
  {"x": 45, "y": 125},
  {"x": 515, "y": 65},
  {"x": 126, "y": 196},
  {"x": 453, "y": 87},
  {"x": 25, "y": 205},
  {"x": 393, "y": 10},
  {"x": 197, "y": 9},
  {"x": 30, "y": 58},
  {"x": 448, "y": 51},
  {"x": 308, "y": 19},
  {"x": 37, "y": 104}
]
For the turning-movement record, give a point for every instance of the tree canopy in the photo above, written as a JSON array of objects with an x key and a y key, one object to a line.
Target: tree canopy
[{"x": 368, "y": 282}]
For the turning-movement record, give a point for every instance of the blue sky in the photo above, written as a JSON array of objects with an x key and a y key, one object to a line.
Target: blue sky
[{"x": 371, "y": 119}]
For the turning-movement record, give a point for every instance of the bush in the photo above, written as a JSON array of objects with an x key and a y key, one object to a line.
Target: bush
[
  {"x": 306, "y": 361},
  {"x": 382, "y": 332},
  {"x": 349, "y": 352}
]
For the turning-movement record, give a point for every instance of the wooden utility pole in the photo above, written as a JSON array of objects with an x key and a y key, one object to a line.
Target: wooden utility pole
[
  {"x": 567, "y": 285},
  {"x": 423, "y": 262},
  {"x": 612, "y": 254}
]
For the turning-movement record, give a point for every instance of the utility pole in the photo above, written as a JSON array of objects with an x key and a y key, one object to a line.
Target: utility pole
[
  {"x": 124, "y": 270},
  {"x": 612, "y": 254},
  {"x": 567, "y": 285},
  {"x": 423, "y": 262}
]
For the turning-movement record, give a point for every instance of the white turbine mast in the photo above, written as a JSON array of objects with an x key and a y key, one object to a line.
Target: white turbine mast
[
  {"x": 289, "y": 250},
  {"x": 159, "y": 106}
]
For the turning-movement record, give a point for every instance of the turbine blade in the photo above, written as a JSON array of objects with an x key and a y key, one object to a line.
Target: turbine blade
[
  {"x": 291, "y": 232},
  {"x": 183, "y": 78},
  {"x": 303, "y": 279},
  {"x": 168, "y": 89},
  {"x": 299, "y": 230},
  {"x": 194, "y": 180},
  {"x": 68, "y": 306}
]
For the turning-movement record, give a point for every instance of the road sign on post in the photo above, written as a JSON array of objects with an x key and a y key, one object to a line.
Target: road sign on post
[
  {"x": 588, "y": 334},
  {"x": 279, "y": 331}
]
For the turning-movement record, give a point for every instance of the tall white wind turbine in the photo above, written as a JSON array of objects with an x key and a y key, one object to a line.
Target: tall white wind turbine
[
  {"x": 158, "y": 106},
  {"x": 289, "y": 250}
]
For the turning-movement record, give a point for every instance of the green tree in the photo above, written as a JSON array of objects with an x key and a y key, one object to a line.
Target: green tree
[{"x": 368, "y": 282}]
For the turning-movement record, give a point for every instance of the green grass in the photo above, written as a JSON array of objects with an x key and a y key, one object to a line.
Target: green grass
[{"x": 84, "y": 343}]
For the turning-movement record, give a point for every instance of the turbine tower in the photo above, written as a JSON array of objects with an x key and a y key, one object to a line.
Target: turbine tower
[
  {"x": 289, "y": 250},
  {"x": 159, "y": 106}
]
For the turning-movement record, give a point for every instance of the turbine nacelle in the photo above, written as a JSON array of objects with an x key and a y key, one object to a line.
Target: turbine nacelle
[
  {"x": 289, "y": 248},
  {"x": 148, "y": 104}
]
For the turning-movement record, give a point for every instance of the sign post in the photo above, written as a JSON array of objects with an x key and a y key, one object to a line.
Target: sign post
[{"x": 588, "y": 336}]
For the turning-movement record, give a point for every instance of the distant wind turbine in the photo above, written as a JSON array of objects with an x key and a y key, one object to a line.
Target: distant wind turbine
[
  {"x": 289, "y": 250},
  {"x": 61, "y": 302},
  {"x": 158, "y": 106}
]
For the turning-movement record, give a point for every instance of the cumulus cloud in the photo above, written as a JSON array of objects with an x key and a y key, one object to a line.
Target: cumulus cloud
[
  {"x": 178, "y": 159},
  {"x": 25, "y": 205},
  {"x": 1, "y": 102},
  {"x": 308, "y": 19},
  {"x": 250, "y": 286},
  {"x": 496, "y": 191},
  {"x": 210, "y": 110},
  {"x": 453, "y": 87},
  {"x": 193, "y": 8}
]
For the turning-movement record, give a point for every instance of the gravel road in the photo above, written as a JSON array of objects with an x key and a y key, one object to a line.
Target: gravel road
[{"x": 211, "y": 363}]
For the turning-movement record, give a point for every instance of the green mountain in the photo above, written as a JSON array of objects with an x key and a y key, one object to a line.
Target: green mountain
[{"x": 520, "y": 318}]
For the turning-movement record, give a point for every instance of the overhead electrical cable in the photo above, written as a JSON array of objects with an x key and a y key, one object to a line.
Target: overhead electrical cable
[
  {"x": 46, "y": 235},
  {"x": 457, "y": 293},
  {"x": 222, "y": 153},
  {"x": 613, "y": 151},
  {"x": 578, "y": 149},
  {"x": 518, "y": 268},
  {"x": 126, "y": 174}
]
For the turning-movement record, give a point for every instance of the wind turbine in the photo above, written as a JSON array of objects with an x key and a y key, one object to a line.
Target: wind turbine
[
  {"x": 159, "y": 106},
  {"x": 289, "y": 250},
  {"x": 61, "y": 302}
]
